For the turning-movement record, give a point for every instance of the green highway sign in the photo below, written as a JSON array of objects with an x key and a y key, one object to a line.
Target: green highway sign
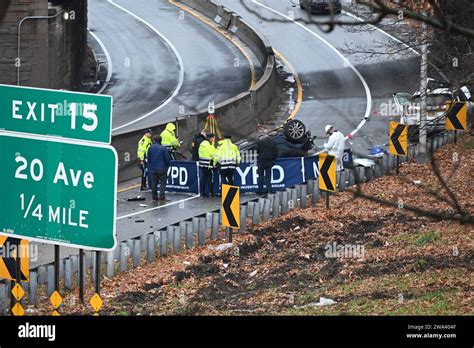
[
  {"x": 58, "y": 191},
  {"x": 59, "y": 113}
]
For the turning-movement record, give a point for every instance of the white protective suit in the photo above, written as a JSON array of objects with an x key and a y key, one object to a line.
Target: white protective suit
[{"x": 335, "y": 146}]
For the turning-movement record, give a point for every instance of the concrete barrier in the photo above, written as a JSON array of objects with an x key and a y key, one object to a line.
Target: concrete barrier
[{"x": 238, "y": 116}]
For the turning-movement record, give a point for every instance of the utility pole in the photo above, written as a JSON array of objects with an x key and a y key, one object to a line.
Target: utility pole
[{"x": 424, "y": 89}]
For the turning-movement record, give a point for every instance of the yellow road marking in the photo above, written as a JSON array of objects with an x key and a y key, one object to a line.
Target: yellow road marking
[
  {"x": 299, "y": 98},
  {"x": 223, "y": 33},
  {"x": 129, "y": 188}
]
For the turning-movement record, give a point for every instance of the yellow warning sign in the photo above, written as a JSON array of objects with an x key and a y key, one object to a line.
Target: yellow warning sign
[
  {"x": 8, "y": 263},
  {"x": 56, "y": 299},
  {"x": 231, "y": 206},
  {"x": 398, "y": 139},
  {"x": 56, "y": 314},
  {"x": 96, "y": 302},
  {"x": 327, "y": 172},
  {"x": 18, "y": 310},
  {"x": 456, "y": 116},
  {"x": 18, "y": 292}
]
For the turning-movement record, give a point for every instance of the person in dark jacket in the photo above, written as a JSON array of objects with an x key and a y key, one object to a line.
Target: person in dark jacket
[
  {"x": 197, "y": 140},
  {"x": 159, "y": 161},
  {"x": 267, "y": 154}
]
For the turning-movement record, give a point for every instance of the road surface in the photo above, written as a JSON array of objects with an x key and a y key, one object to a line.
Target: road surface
[
  {"x": 165, "y": 62},
  {"x": 339, "y": 87}
]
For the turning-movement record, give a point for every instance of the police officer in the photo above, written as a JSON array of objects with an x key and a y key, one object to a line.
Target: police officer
[
  {"x": 169, "y": 140},
  {"x": 227, "y": 159},
  {"x": 142, "y": 152},
  {"x": 207, "y": 153}
]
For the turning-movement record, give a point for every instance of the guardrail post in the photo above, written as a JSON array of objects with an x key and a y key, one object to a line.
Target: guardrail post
[
  {"x": 32, "y": 291},
  {"x": 163, "y": 242},
  {"x": 243, "y": 218},
  {"x": 123, "y": 259},
  {"x": 67, "y": 274},
  {"x": 304, "y": 196},
  {"x": 150, "y": 254},
  {"x": 315, "y": 193},
  {"x": 341, "y": 180},
  {"x": 208, "y": 220},
  {"x": 143, "y": 242},
  {"x": 202, "y": 231},
  {"x": 49, "y": 280},
  {"x": 310, "y": 186},
  {"x": 137, "y": 252},
  {"x": 189, "y": 235},
  {"x": 378, "y": 168},
  {"x": 256, "y": 213},
  {"x": 276, "y": 204},
  {"x": 294, "y": 199},
  {"x": 284, "y": 202},
  {"x": 369, "y": 175},
  {"x": 215, "y": 226},
  {"x": 266, "y": 209},
  {"x": 109, "y": 264},
  {"x": 170, "y": 232},
  {"x": 250, "y": 208},
  {"x": 41, "y": 275},
  {"x": 176, "y": 239}
]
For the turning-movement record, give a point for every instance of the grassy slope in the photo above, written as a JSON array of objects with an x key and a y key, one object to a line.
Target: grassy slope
[{"x": 412, "y": 265}]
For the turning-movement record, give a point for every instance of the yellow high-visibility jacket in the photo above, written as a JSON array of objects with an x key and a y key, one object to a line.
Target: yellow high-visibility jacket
[
  {"x": 143, "y": 146},
  {"x": 168, "y": 137},
  {"x": 227, "y": 155},
  {"x": 207, "y": 153}
]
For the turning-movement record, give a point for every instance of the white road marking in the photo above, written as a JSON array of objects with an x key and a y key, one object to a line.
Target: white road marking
[
  {"x": 156, "y": 208},
  {"x": 176, "y": 53},
  {"x": 382, "y": 31},
  {"x": 345, "y": 60},
  {"x": 109, "y": 62}
]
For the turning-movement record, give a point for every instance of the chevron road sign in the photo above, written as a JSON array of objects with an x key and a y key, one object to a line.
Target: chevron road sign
[
  {"x": 456, "y": 116},
  {"x": 398, "y": 139},
  {"x": 327, "y": 172},
  {"x": 9, "y": 252},
  {"x": 231, "y": 206}
]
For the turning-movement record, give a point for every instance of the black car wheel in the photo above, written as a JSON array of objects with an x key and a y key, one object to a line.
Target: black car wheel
[{"x": 295, "y": 131}]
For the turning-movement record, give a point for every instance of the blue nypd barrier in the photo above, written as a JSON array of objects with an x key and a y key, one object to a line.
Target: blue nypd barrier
[
  {"x": 311, "y": 164},
  {"x": 287, "y": 172},
  {"x": 183, "y": 177}
]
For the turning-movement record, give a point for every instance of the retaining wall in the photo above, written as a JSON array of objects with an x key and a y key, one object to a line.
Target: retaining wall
[{"x": 238, "y": 116}]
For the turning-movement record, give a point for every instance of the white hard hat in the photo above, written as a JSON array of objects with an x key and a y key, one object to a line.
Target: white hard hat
[{"x": 328, "y": 128}]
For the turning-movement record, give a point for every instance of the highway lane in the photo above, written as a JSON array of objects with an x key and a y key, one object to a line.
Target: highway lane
[
  {"x": 144, "y": 70},
  {"x": 339, "y": 87},
  {"x": 176, "y": 64}
]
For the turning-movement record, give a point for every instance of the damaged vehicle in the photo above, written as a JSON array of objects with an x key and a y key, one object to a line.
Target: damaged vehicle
[
  {"x": 321, "y": 6},
  {"x": 292, "y": 140},
  {"x": 439, "y": 96}
]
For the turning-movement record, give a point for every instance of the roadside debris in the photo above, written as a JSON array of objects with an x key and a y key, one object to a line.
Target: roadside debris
[
  {"x": 322, "y": 302},
  {"x": 221, "y": 247},
  {"x": 136, "y": 199}
]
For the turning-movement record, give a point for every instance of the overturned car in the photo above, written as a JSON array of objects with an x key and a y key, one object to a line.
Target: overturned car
[{"x": 292, "y": 139}]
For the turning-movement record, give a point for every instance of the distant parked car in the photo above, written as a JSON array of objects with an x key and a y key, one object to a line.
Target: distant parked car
[
  {"x": 292, "y": 140},
  {"x": 321, "y": 6},
  {"x": 439, "y": 95}
]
